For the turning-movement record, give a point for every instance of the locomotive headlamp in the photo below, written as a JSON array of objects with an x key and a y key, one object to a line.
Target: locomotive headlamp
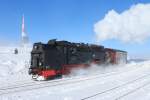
[
  {"x": 40, "y": 63},
  {"x": 35, "y": 47}
]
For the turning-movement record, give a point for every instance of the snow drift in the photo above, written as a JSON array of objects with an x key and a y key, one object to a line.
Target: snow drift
[
  {"x": 130, "y": 26},
  {"x": 101, "y": 84},
  {"x": 13, "y": 66}
]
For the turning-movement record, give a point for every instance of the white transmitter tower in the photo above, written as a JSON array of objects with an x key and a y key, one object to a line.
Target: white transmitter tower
[{"x": 24, "y": 37}]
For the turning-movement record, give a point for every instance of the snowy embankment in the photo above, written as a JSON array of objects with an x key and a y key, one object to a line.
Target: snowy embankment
[
  {"x": 127, "y": 82},
  {"x": 14, "y": 66},
  {"x": 130, "y": 81}
]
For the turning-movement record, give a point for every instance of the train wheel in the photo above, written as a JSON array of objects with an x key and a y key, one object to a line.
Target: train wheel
[
  {"x": 58, "y": 76},
  {"x": 38, "y": 78},
  {"x": 34, "y": 77}
]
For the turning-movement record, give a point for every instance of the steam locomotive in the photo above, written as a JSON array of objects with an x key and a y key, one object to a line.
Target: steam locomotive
[{"x": 57, "y": 58}]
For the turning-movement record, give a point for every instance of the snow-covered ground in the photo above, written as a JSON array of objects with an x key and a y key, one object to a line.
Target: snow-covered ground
[
  {"x": 127, "y": 82},
  {"x": 14, "y": 66}
]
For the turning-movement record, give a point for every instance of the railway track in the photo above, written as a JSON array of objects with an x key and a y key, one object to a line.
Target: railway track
[
  {"x": 132, "y": 91},
  {"x": 26, "y": 82},
  {"x": 36, "y": 85},
  {"x": 120, "y": 86}
]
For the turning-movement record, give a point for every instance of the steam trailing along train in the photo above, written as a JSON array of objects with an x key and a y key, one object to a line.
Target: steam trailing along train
[{"x": 57, "y": 58}]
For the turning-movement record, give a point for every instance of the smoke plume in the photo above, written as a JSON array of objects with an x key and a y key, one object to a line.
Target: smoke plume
[{"x": 130, "y": 26}]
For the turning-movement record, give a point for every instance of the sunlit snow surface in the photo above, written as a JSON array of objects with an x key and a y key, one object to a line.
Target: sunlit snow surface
[
  {"x": 99, "y": 82},
  {"x": 14, "y": 66}
]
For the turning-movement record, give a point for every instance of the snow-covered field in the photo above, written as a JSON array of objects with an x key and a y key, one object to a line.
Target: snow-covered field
[
  {"x": 13, "y": 66},
  {"x": 127, "y": 82}
]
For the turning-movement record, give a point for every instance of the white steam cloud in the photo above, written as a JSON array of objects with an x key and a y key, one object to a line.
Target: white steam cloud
[
  {"x": 96, "y": 69},
  {"x": 130, "y": 26}
]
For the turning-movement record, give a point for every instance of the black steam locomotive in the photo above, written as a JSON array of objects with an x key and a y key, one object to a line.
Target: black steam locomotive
[{"x": 57, "y": 58}]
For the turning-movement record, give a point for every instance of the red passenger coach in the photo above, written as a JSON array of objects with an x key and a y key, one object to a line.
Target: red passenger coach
[{"x": 114, "y": 56}]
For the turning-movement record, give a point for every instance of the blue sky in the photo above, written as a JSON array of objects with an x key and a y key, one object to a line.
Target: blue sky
[{"x": 71, "y": 20}]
